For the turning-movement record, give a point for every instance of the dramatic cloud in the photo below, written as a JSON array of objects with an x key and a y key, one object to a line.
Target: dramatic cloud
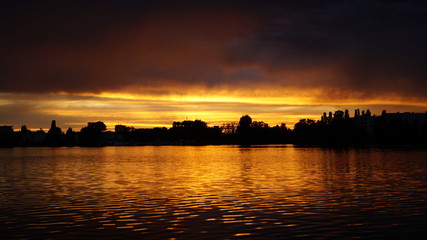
[
  {"x": 74, "y": 51},
  {"x": 90, "y": 47}
]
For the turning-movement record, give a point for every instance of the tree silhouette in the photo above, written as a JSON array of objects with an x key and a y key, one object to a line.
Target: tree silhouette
[
  {"x": 25, "y": 137},
  {"x": 24, "y": 129},
  {"x": 97, "y": 126},
  {"x": 346, "y": 114},
  {"x": 306, "y": 131},
  {"x": 338, "y": 115},
  {"x": 229, "y": 128},
  {"x": 245, "y": 121},
  {"x": 244, "y": 130},
  {"x": 92, "y": 134},
  {"x": 194, "y": 132},
  {"x": 70, "y": 137},
  {"x": 122, "y": 129}
]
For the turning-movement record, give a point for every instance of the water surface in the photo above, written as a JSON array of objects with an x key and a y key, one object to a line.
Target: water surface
[{"x": 212, "y": 192}]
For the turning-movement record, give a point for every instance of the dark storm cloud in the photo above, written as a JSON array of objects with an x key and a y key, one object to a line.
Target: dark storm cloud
[
  {"x": 367, "y": 45},
  {"x": 90, "y": 46}
]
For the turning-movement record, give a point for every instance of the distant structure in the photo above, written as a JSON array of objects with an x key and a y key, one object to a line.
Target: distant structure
[
  {"x": 54, "y": 135},
  {"x": 419, "y": 119},
  {"x": 364, "y": 120},
  {"x": 6, "y": 129},
  {"x": 7, "y": 138},
  {"x": 54, "y": 129}
]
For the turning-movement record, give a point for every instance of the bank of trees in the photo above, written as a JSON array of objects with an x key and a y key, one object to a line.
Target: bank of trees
[
  {"x": 258, "y": 132},
  {"x": 333, "y": 129}
]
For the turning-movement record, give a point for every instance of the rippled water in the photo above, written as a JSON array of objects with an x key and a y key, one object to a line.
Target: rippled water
[{"x": 212, "y": 192}]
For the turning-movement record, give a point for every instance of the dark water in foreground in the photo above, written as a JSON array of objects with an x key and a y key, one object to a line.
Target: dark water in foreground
[{"x": 212, "y": 192}]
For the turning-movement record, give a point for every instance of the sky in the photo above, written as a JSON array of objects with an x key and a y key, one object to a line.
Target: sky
[{"x": 149, "y": 63}]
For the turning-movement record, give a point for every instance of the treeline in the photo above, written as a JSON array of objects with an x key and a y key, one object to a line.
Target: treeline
[{"x": 332, "y": 129}]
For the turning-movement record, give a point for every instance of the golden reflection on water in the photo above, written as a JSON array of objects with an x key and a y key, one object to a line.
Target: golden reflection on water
[
  {"x": 210, "y": 192},
  {"x": 199, "y": 173}
]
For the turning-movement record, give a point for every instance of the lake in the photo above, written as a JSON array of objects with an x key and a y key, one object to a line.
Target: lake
[{"x": 213, "y": 192}]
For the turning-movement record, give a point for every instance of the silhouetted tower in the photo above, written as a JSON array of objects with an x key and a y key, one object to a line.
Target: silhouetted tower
[
  {"x": 54, "y": 129},
  {"x": 54, "y": 135}
]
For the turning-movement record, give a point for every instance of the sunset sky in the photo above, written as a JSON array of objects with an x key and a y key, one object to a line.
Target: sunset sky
[{"x": 149, "y": 63}]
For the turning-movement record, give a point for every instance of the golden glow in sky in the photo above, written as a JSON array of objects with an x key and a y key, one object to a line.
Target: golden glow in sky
[{"x": 273, "y": 106}]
